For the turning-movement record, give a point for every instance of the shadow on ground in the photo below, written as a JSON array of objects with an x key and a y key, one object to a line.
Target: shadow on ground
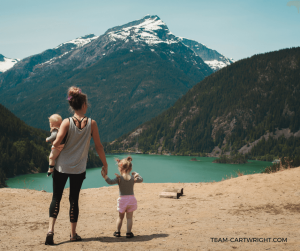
[{"x": 138, "y": 238}]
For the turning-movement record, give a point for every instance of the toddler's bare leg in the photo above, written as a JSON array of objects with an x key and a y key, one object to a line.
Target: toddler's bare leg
[
  {"x": 120, "y": 221},
  {"x": 129, "y": 216}
]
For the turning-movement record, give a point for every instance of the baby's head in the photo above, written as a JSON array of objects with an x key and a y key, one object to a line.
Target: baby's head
[
  {"x": 55, "y": 120},
  {"x": 125, "y": 165}
]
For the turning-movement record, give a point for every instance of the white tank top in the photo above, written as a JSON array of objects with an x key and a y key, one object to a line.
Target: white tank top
[{"x": 73, "y": 157}]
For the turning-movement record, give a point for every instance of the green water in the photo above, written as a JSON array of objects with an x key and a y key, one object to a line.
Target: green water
[{"x": 153, "y": 168}]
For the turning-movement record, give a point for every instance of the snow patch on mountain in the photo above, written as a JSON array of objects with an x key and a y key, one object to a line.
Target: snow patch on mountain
[
  {"x": 7, "y": 63},
  {"x": 55, "y": 58},
  {"x": 80, "y": 41},
  {"x": 216, "y": 65},
  {"x": 77, "y": 43},
  {"x": 212, "y": 58}
]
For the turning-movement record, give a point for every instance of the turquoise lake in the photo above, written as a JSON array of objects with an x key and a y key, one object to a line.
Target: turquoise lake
[{"x": 153, "y": 169}]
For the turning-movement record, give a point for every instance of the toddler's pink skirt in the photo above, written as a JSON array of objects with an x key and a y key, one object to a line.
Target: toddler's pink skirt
[{"x": 127, "y": 203}]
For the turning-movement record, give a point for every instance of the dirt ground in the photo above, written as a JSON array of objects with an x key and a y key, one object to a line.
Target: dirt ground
[{"x": 252, "y": 212}]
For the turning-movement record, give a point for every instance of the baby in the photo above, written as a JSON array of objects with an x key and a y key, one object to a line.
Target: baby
[{"x": 55, "y": 121}]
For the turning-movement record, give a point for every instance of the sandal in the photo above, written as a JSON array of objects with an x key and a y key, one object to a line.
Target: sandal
[
  {"x": 49, "y": 239},
  {"x": 117, "y": 234},
  {"x": 129, "y": 235},
  {"x": 75, "y": 238}
]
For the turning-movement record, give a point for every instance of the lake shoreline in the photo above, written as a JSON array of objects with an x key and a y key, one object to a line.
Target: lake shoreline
[{"x": 153, "y": 168}]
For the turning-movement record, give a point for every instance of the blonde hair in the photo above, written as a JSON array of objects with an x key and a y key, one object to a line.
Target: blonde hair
[
  {"x": 125, "y": 165},
  {"x": 55, "y": 118}
]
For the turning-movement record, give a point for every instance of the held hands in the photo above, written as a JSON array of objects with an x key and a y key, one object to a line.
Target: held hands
[
  {"x": 135, "y": 175},
  {"x": 103, "y": 173}
]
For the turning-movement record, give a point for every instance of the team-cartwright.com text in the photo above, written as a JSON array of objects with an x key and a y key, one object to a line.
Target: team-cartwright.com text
[{"x": 248, "y": 239}]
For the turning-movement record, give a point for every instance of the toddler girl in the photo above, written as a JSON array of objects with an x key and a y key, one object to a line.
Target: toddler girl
[
  {"x": 126, "y": 202},
  {"x": 54, "y": 120}
]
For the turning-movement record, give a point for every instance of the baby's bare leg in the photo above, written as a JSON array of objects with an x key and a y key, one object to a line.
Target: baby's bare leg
[{"x": 53, "y": 156}]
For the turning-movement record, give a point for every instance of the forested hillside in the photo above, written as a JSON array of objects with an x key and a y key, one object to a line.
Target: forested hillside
[
  {"x": 23, "y": 149},
  {"x": 230, "y": 109}
]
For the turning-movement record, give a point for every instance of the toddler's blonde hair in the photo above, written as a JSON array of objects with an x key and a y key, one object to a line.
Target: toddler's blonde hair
[
  {"x": 125, "y": 165},
  {"x": 55, "y": 118}
]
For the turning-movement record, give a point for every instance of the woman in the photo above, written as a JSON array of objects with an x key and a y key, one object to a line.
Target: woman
[{"x": 72, "y": 160}]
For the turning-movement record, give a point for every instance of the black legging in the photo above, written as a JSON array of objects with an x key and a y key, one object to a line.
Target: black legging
[{"x": 59, "y": 181}]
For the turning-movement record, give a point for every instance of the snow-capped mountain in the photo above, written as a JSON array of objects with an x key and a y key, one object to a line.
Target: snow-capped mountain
[
  {"x": 149, "y": 33},
  {"x": 131, "y": 73},
  {"x": 150, "y": 30},
  {"x": 7, "y": 63}
]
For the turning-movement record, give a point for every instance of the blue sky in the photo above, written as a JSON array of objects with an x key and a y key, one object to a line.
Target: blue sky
[{"x": 235, "y": 28}]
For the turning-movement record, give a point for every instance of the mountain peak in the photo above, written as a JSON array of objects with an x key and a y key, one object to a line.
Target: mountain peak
[
  {"x": 148, "y": 22},
  {"x": 150, "y": 30},
  {"x": 151, "y": 17}
]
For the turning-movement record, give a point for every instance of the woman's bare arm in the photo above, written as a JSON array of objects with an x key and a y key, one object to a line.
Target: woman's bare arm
[
  {"x": 63, "y": 129},
  {"x": 98, "y": 145}
]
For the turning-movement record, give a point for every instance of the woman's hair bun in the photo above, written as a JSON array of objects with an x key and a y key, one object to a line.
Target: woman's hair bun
[
  {"x": 129, "y": 158},
  {"x": 73, "y": 91},
  {"x": 76, "y": 98}
]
